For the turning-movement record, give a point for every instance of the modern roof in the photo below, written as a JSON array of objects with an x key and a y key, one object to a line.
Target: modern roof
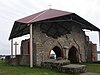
[{"x": 21, "y": 26}]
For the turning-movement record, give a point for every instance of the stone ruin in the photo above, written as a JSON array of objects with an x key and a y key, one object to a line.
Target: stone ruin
[
  {"x": 60, "y": 32},
  {"x": 69, "y": 48},
  {"x": 75, "y": 46}
]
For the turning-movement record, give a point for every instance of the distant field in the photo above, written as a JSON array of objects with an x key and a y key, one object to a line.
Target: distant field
[{"x": 7, "y": 69}]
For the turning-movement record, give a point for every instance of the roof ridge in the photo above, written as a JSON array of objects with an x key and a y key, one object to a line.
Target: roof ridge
[{"x": 38, "y": 15}]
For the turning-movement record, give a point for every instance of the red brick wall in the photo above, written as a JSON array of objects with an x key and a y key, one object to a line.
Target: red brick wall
[
  {"x": 25, "y": 49},
  {"x": 94, "y": 52}
]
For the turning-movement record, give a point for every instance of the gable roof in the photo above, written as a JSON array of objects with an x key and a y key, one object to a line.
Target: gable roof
[
  {"x": 21, "y": 26},
  {"x": 43, "y": 15}
]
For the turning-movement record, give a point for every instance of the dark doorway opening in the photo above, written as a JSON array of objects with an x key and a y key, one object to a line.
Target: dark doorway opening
[
  {"x": 57, "y": 53},
  {"x": 73, "y": 55}
]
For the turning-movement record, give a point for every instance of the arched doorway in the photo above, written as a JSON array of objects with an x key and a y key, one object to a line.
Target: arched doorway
[
  {"x": 73, "y": 55},
  {"x": 57, "y": 52}
]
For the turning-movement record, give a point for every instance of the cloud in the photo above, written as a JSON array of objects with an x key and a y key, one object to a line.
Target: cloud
[{"x": 11, "y": 10}]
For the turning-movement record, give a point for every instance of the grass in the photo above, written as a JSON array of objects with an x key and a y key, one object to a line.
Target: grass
[
  {"x": 7, "y": 69},
  {"x": 93, "y": 67}
]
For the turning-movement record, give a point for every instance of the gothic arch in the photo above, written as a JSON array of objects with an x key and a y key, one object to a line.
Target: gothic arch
[
  {"x": 73, "y": 55},
  {"x": 58, "y": 51}
]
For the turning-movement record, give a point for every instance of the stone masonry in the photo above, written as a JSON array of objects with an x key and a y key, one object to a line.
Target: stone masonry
[{"x": 43, "y": 44}]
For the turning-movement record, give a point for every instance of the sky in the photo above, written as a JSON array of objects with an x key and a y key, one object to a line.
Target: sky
[{"x": 12, "y": 10}]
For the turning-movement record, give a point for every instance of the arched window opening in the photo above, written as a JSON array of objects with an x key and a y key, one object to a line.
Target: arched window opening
[
  {"x": 73, "y": 55},
  {"x": 56, "y": 52},
  {"x": 52, "y": 55}
]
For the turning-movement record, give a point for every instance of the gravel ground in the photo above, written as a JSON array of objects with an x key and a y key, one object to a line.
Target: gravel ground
[{"x": 89, "y": 73}]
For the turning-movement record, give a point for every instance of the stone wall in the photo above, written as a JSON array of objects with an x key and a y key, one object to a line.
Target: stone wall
[
  {"x": 18, "y": 60},
  {"x": 44, "y": 44},
  {"x": 91, "y": 53},
  {"x": 94, "y": 52}
]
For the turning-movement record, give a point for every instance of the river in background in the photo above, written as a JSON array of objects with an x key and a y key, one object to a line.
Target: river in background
[{"x": 98, "y": 57}]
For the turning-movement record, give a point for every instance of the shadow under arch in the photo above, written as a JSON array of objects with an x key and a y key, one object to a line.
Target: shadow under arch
[
  {"x": 73, "y": 55},
  {"x": 58, "y": 52}
]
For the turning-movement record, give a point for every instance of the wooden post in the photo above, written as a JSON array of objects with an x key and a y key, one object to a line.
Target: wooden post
[
  {"x": 11, "y": 48},
  {"x": 31, "y": 47}
]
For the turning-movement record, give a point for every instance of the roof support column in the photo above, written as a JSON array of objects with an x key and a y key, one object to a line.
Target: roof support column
[
  {"x": 31, "y": 47},
  {"x": 11, "y": 48},
  {"x": 99, "y": 40}
]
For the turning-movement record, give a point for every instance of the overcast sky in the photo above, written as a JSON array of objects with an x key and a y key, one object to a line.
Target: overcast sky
[{"x": 11, "y": 10}]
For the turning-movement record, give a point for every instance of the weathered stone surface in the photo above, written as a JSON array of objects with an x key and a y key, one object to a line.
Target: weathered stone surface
[
  {"x": 18, "y": 60},
  {"x": 55, "y": 64},
  {"x": 73, "y": 68},
  {"x": 64, "y": 66},
  {"x": 44, "y": 44}
]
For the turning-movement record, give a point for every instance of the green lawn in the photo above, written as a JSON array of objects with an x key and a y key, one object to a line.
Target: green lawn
[
  {"x": 7, "y": 69},
  {"x": 93, "y": 67}
]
